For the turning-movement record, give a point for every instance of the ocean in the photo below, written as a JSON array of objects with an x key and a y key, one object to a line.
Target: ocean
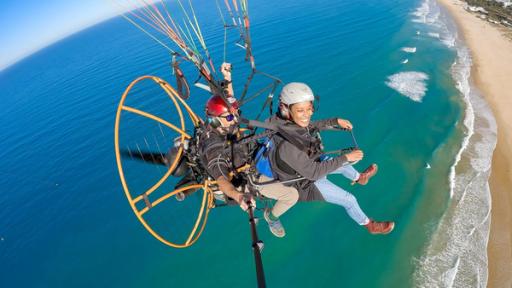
[{"x": 398, "y": 70}]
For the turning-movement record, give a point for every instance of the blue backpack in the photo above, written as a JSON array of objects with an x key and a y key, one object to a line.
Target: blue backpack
[{"x": 262, "y": 158}]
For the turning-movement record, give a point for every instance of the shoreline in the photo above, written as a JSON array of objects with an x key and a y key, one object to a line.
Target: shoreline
[{"x": 492, "y": 75}]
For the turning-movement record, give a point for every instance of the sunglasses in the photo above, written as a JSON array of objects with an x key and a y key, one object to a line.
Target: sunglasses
[{"x": 229, "y": 117}]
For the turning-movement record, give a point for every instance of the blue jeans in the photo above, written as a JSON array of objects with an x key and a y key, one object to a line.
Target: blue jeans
[{"x": 336, "y": 195}]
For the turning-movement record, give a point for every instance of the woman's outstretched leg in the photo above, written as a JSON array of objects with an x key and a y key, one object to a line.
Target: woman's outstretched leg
[{"x": 336, "y": 195}]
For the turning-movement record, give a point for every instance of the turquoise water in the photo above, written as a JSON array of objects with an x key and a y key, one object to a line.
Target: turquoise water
[{"x": 65, "y": 220}]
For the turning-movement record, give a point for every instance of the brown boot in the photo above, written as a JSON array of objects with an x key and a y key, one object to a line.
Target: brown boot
[
  {"x": 366, "y": 175},
  {"x": 375, "y": 227}
]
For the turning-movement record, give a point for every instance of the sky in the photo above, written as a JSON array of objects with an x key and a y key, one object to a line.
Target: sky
[{"x": 29, "y": 25}]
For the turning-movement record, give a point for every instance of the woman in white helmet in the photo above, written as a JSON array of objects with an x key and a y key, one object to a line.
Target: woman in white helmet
[{"x": 298, "y": 152}]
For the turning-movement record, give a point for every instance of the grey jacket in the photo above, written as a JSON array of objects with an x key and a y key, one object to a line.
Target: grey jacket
[{"x": 301, "y": 158}]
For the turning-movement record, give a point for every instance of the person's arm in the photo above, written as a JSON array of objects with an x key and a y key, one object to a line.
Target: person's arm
[
  {"x": 326, "y": 123},
  {"x": 219, "y": 169},
  {"x": 230, "y": 190},
  {"x": 225, "y": 69},
  {"x": 332, "y": 122},
  {"x": 311, "y": 168}
]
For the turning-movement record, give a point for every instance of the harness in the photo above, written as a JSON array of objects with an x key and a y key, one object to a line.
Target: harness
[{"x": 274, "y": 143}]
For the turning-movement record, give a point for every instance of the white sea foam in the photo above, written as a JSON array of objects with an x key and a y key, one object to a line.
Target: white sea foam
[
  {"x": 449, "y": 276},
  {"x": 456, "y": 255},
  {"x": 448, "y": 40},
  {"x": 411, "y": 84},
  {"x": 405, "y": 61},
  {"x": 430, "y": 14},
  {"x": 409, "y": 49},
  {"x": 433, "y": 34},
  {"x": 425, "y": 14},
  {"x": 481, "y": 164},
  {"x": 421, "y": 13}
]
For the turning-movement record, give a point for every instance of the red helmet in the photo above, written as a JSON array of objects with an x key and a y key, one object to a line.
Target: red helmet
[{"x": 216, "y": 105}]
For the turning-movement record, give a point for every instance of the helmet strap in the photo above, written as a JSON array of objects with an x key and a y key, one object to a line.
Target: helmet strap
[{"x": 214, "y": 122}]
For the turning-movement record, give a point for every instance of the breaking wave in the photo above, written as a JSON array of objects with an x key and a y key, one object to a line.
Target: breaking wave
[
  {"x": 434, "y": 35},
  {"x": 409, "y": 49},
  {"x": 411, "y": 84}
]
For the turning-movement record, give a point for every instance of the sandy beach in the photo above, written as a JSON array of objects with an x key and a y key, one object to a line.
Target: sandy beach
[{"x": 491, "y": 51}]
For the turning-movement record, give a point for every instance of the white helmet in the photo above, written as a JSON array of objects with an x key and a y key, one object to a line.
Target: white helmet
[{"x": 296, "y": 92}]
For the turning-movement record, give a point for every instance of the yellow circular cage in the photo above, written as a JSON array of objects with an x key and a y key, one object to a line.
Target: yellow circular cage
[{"x": 207, "y": 196}]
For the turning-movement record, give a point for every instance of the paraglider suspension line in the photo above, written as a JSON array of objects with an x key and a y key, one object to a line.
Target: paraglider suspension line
[{"x": 354, "y": 139}]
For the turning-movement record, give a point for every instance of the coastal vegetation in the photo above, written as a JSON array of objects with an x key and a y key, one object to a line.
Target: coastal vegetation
[{"x": 493, "y": 11}]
